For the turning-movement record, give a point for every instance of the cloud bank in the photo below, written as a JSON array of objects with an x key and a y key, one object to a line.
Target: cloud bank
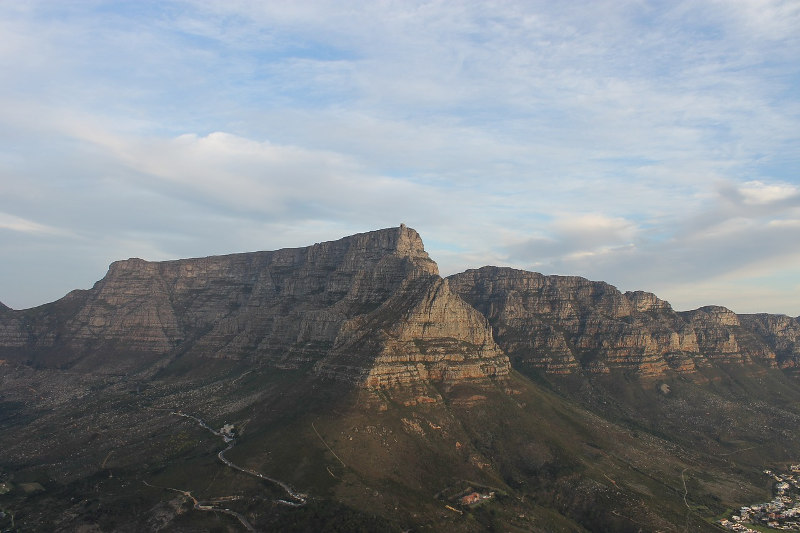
[{"x": 651, "y": 145}]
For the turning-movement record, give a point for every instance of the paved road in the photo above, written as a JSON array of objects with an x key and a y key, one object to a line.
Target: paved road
[
  {"x": 298, "y": 499},
  {"x": 204, "y": 506}
]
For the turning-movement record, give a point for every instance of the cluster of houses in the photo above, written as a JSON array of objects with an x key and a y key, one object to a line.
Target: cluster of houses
[{"x": 782, "y": 512}]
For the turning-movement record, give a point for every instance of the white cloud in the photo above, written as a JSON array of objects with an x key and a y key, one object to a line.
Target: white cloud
[
  {"x": 595, "y": 228},
  {"x": 23, "y": 225},
  {"x": 279, "y": 182},
  {"x": 757, "y": 192},
  {"x": 628, "y": 140},
  {"x": 773, "y": 20},
  {"x": 794, "y": 223}
]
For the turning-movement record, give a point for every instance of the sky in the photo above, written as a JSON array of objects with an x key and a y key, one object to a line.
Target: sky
[{"x": 654, "y": 145}]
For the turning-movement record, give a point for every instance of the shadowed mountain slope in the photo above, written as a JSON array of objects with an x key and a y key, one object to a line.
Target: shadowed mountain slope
[{"x": 345, "y": 386}]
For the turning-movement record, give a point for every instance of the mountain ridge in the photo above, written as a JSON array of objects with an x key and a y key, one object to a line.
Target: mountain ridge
[
  {"x": 383, "y": 394},
  {"x": 286, "y": 308},
  {"x": 565, "y": 324},
  {"x": 227, "y": 306}
]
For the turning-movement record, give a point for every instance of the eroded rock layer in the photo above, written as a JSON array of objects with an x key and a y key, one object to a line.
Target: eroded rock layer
[
  {"x": 369, "y": 308},
  {"x": 372, "y": 309},
  {"x": 562, "y": 324},
  {"x": 426, "y": 333},
  {"x": 781, "y": 332}
]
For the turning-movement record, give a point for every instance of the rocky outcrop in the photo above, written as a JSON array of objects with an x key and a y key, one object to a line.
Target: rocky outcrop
[
  {"x": 369, "y": 308},
  {"x": 426, "y": 333},
  {"x": 781, "y": 332},
  {"x": 565, "y": 324},
  {"x": 646, "y": 301},
  {"x": 12, "y": 329},
  {"x": 372, "y": 309}
]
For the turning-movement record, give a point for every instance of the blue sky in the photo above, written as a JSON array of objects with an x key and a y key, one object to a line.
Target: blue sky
[{"x": 653, "y": 145}]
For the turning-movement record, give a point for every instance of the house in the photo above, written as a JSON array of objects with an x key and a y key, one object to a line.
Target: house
[{"x": 471, "y": 498}]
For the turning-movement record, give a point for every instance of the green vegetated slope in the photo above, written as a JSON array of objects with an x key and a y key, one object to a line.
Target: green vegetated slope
[
  {"x": 559, "y": 454},
  {"x": 365, "y": 394}
]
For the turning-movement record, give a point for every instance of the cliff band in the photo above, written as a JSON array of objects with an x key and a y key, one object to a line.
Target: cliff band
[
  {"x": 369, "y": 309},
  {"x": 568, "y": 324}
]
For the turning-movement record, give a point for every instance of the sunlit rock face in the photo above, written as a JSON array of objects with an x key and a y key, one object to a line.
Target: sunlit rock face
[
  {"x": 425, "y": 332},
  {"x": 566, "y": 324},
  {"x": 369, "y": 308}
]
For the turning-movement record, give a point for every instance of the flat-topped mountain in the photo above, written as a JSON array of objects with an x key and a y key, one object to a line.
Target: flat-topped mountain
[
  {"x": 372, "y": 309},
  {"x": 369, "y": 308},
  {"x": 346, "y": 386}
]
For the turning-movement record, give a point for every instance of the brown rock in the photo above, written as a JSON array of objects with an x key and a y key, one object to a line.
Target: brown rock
[
  {"x": 781, "y": 332},
  {"x": 564, "y": 324},
  {"x": 369, "y": 308}
]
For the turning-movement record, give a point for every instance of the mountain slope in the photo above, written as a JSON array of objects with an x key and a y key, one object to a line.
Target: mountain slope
[{"x": 361, "y": 391}]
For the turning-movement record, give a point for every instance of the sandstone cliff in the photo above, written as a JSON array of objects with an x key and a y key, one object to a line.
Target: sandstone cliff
[
  {"x": 781, "y": 332},
  {"x": 563, "y": 324},
  {"x": 369, "y": 308},
  {"x": 426, "y": 332},
  {"x": 372, "y": 309}
]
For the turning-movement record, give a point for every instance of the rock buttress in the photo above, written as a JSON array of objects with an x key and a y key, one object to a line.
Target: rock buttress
[
  {"x": 424, "y": 332},
  {"x": 562, "y": 324},
  {"x": 289, "y": 308}
]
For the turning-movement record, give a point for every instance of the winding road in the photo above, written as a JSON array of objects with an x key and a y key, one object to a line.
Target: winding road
[
  {"x": 204, "y": 506},
  {"x": 299, "y": 498},
  {"x": 295, "y": 499}
]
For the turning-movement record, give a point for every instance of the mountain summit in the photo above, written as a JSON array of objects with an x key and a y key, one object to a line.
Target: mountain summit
[
  {"x": 369, "y": 308},
  {"x": 346, "y": 386}
]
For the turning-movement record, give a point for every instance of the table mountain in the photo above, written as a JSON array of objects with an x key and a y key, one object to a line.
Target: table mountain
[
  {"x": 370, "y": 308},
  {"x": 364, "y": 392}
]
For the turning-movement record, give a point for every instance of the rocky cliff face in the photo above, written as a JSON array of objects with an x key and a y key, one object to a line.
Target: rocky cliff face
[
  {"x": 369, "y": 308},
  {"x": 563, "y": 324},
  {"x": 781, "y": 332},
  {"x": 372, "y": 309},
  {"x": 426, "y": 332}
]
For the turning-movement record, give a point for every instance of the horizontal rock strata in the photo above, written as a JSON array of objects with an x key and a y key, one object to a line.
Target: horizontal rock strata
[
  {"x": 426, "y": 333},
  {"x": 372, "y": 309},
  {"x": 781, "y": 332},
  {"x": 565, "y": 324},
  {"x": 369, "y": 308}
]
